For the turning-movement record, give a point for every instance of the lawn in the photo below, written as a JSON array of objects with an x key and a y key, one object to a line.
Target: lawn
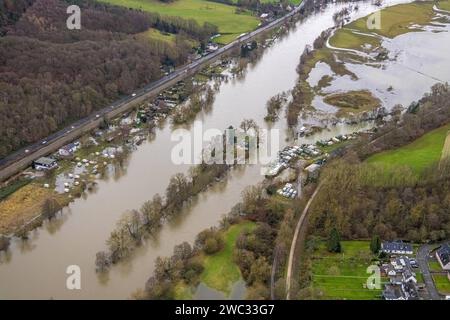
[
  {"x": 417, "y": 155},
  {"x": 397, "y": 20},
  {"x": 442, "y": 283},
  {"x": 223, "y": 16},
  {"x": 220, "y": 270},
  {"x": 343, "y": 275},
  {"x": 434, "y": 265}
]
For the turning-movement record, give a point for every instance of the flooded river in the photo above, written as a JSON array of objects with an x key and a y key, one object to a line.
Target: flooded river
[{"x": 37, "y": 269}]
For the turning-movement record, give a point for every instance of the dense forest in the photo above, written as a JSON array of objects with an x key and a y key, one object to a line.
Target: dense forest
[
  {"x": 50, "y": 75},
  {"x": 10, "y": 12},
  {"x": 360, "y": 200}
]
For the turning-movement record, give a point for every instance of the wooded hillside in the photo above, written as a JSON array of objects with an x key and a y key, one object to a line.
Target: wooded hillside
[{"x": 50, "y": 76}]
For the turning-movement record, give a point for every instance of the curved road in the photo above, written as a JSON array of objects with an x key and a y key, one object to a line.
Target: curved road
[{"x": 294, "y": 241}]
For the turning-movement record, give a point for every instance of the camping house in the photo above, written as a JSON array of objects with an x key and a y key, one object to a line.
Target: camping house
[
  {"x": 45, "y": 163},
  {"x": 68, "y": 150},
  {"x": 313, "y": 171}
]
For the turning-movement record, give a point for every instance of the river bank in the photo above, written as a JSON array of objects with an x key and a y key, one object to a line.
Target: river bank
[{"x": 82, "y": 229}]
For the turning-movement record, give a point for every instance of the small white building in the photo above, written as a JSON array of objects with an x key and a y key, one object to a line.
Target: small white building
[{"x": 44, "y": 163}]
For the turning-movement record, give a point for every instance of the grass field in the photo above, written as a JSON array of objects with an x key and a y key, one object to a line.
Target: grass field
[
  {"x": 183, "y": 291},
  {"x": 343, "y": 275},
  {"x": 345, "y": 38},
  {"x": 13, "y": 187},
  {"x": 434, "y": 265},
  {"x": 442, "y": 283},
  {"x": 23, "y": 205},
  {"x": 444, "y": 5},
  {"x": 220, "y": 270},
  {"x": 394, "y": 21},
  {"x": 397, "y": 20},
  {"x": 223, "y": 16},
  {"x": 417, "y": 155},
  {"x": 155, "y": 34},
  {"x": 353, "y": 101}
]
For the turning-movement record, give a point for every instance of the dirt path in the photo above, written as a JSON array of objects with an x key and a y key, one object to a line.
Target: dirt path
[
  {"x": 294, "y": 241},
  {"x": 446, "y": 149}
]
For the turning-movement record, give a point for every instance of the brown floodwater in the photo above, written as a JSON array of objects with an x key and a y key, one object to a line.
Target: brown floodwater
[{"x": 36, "y": 269}]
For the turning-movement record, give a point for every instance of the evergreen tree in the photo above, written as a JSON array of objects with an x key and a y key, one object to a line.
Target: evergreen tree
[
  {"x": 375, "y": 244},
  {"x": 334, "y": 241}
]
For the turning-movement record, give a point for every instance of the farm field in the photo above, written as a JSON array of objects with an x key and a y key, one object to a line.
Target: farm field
[
  {"x": 343, "y": 275},
  {"x": 417, "y": 155},
  {"x": 223, "y": 16}
]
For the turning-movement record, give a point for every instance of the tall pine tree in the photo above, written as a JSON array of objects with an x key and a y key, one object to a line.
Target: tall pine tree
[
  {"x": 334, "y": 241},
  {"x": 375, "y": 244}
]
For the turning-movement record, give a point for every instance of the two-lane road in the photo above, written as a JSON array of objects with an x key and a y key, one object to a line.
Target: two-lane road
[{"x": 422, "y": 260}]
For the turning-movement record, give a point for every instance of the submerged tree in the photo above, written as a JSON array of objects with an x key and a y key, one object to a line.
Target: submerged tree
[{"x": 4, "y": 243}]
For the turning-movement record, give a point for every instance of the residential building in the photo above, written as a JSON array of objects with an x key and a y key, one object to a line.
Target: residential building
[
  {"x": 443, "y": 256},
  {"x": 393, "y": 292},
  {"x": 396, "y": 247}
]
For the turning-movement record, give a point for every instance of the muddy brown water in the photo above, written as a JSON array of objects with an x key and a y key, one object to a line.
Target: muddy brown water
[{"x": 37, "y": 269}]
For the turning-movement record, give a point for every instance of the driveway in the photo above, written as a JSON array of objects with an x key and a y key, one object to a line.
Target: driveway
[{"x": 422, "y": 260}]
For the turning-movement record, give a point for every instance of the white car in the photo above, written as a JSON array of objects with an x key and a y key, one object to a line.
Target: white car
[
  {"x": 44, "y": 142},
  {"x": 97, "y": 116},
  {"x": 133, "y": 95},
  {"x": 26, "y": 151}
]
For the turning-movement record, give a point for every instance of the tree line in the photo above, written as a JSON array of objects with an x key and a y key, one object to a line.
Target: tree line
[
  {"x": 253, "y": 251},
  {"x": 137, "y": 225}
]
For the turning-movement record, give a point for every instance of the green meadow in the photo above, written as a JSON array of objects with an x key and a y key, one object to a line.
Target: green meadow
[
  {"x": 394, "y": 21},
  {"x": 343, "y": 275},
  {"x": 220, "y": 270},
  {"x": 418, "y": 155},
  {"x": 230, "y": 23}
]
